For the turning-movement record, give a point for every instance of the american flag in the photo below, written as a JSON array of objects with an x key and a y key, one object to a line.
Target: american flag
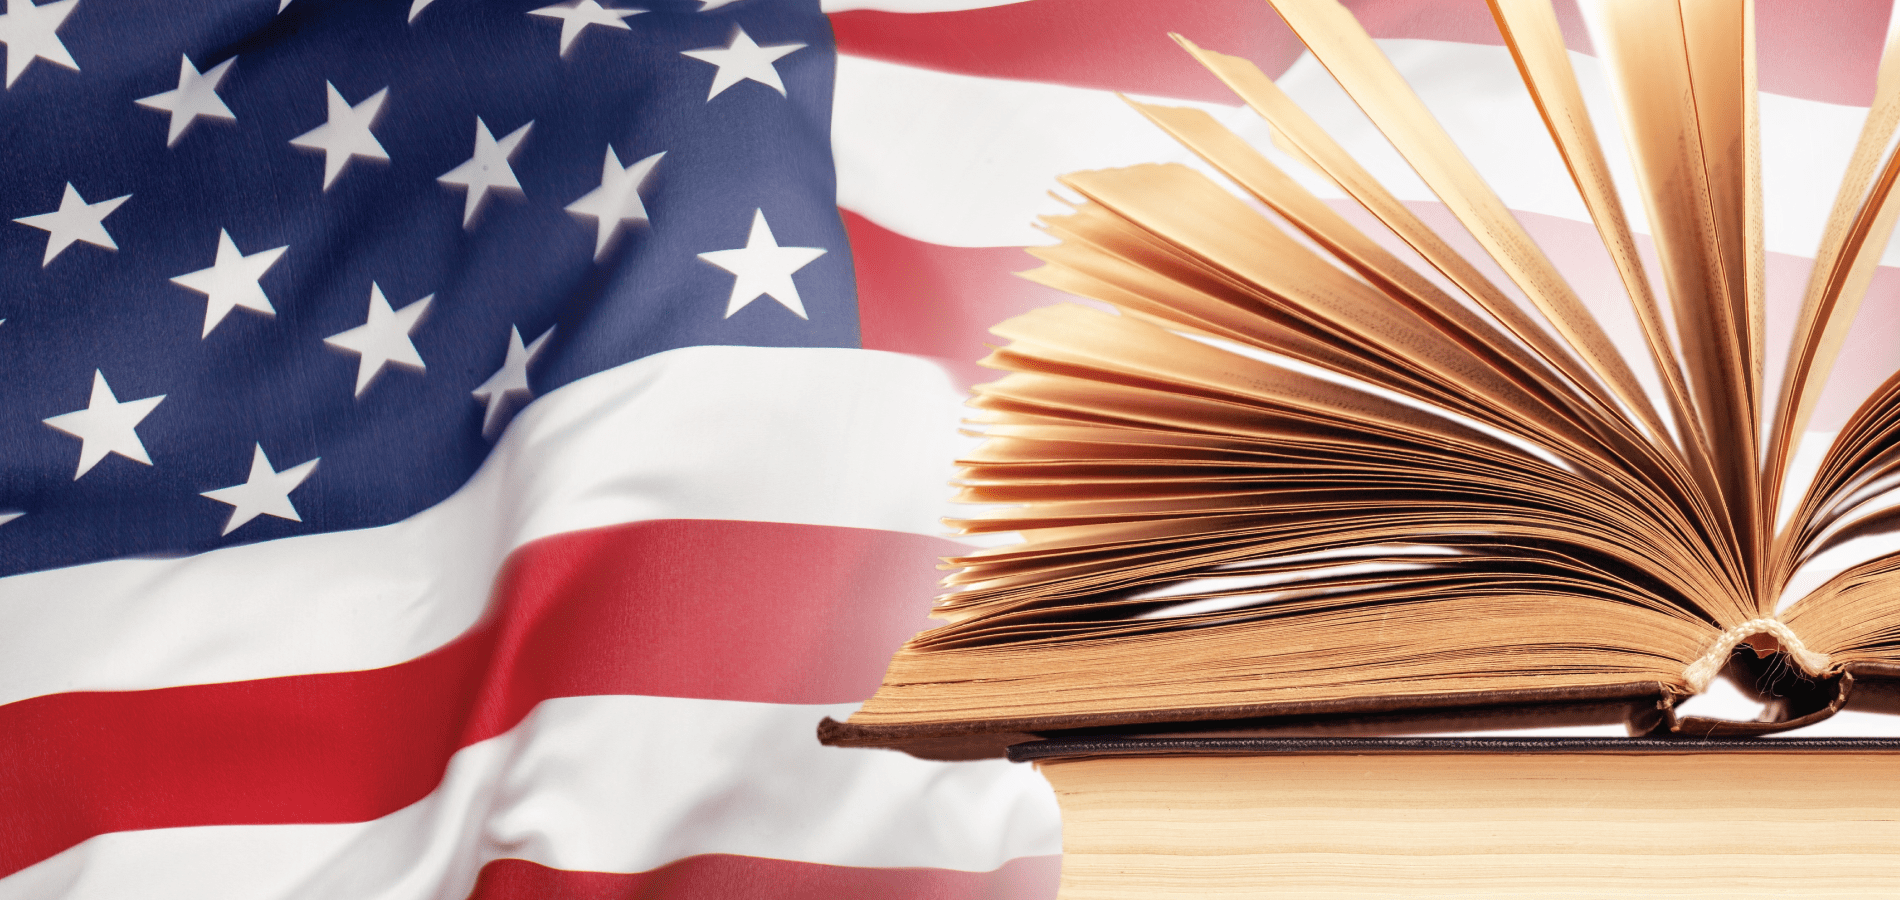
[{"x": 462, "y": 447}]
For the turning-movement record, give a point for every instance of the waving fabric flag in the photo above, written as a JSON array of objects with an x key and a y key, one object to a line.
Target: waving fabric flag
[
  {"x": 303, "y": 595},
  {"x": 455, "y": 448}
]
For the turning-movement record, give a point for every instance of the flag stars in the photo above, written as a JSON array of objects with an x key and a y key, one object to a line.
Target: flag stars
[
  {"x": 743, "y": 60},
  {"x": 266, "y": 492},
  {"x": 510, "y": 383},
  {"x": 383, "y": 340},
  {"x": 231, "y": 281},
  {"x": 31, "y": 32},
  {"x": 346, "y": 134},
  {"x": 487, "y": 170},
  {"x": 106, "y": 426},
  {"x": 763, "y": 268},
  {"x": 195, "y": 97},
  {"x": 617, "y": 200},
  {"x": 75, "y": 220},
  {"x": 579, "y": 14}
]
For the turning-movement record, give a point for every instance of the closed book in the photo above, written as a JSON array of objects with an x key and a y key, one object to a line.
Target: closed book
[{"x": 1200, "y": 818}]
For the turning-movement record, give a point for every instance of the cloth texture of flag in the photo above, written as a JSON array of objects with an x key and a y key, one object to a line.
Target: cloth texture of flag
[{"x": 463, "y": 447}]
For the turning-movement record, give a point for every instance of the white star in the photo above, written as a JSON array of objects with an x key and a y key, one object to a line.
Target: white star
[
  {"x": 75, "y": 220},
  {"x": 710, "y": 5},
  {"x": 346, "y": 135},
  {"x": 762, "y": 267},
  {"x": 265, "y": 493},
  {"x": 196, "y": 95},
  {"x": 106, "y": 426},
  {"x": 741, "y": 59},
  {"x": 384, "y": 339},
  {"x": 617, "y": 200},
  {"x": 31, "y": 32},
  {"x": 232, "y": 281},
  {"x": 487, "y": 169},
  {"x": 579, "y": 14},
  {"x": 511, "y": 381},
  {"x": 6, "y": 517}
]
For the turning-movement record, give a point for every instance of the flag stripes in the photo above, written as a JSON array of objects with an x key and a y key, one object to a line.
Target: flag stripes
[
  {"x": 1824, "y": 52},
  {"x": 719, "y": 877},
  {"x": 578, "y": 458},
  {"x": 602, "y": 784},
  {"x": 722, "y": 610},
  {"x": 976, "y": 168}
]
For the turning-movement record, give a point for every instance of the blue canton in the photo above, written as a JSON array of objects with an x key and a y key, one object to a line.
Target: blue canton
[{"x": 291, "y": 252}]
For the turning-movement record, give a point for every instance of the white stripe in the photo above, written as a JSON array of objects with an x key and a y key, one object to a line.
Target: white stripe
[
  {"x": 849, "y": 438},
  {"x": 602, "y": 784},
  {"x": 967, "y": 161},
  {"x": 911, "y": 6}
]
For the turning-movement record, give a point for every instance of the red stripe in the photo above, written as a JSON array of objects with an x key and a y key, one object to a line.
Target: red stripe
[
  {"x": 746, "y": 877},
  {"x": 1818, "y": 51},
  {"x": 931, "y": 300},
  {"x": 1821, "y": 51},
  {"x": 712, "y": 609},
  {"x": 1119, "y": 45}
]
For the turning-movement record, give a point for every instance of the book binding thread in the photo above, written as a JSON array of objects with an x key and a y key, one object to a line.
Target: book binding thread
[{"x": 1699, "y": 673}]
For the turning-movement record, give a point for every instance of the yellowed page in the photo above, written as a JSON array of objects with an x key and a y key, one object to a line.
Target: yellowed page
[
  {"x": 1828, "y": 308},
  {"x": 1531, "y": 32},
  {"x": 1340, "y": 44},
  {"x": 1142, "y": 292},
  {"x": 1089, "y": 528},
  {"x": 1716, "y": 36},
  {"x": 1849, "y": 498},
  {"x": 1719, "y": 37},
  {"x": 1258, "y": 175},
  {"x": 1640, "y": 459},
  {"x": 1648, "y": 57},
  {"x": 1755, "y": 251},
  {"x": 1457, "y": 638},
  {"x": 1300, "y": 131},
  {"x": 1076, "y": 336},
  {"x": 1184, "y": 207},
  {"x": 1695, "y": 494}
]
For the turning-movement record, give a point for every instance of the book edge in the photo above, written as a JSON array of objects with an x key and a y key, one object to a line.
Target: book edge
[
  {"x": 1076, "y": 748},
  {"x": 989, "y": 738}
]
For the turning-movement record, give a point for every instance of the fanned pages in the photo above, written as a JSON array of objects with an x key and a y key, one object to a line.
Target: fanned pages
[{"x": 1316, "y": 464}]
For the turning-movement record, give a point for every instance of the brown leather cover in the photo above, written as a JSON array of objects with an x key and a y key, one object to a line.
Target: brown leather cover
[
  {"x": 1646, "y": 708},
  {"x": 1144, "y": 745},
  {"x": 1469, "y": 710}
]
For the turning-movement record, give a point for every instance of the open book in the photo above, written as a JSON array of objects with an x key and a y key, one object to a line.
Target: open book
[{"x": 1316, "y": 460}]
